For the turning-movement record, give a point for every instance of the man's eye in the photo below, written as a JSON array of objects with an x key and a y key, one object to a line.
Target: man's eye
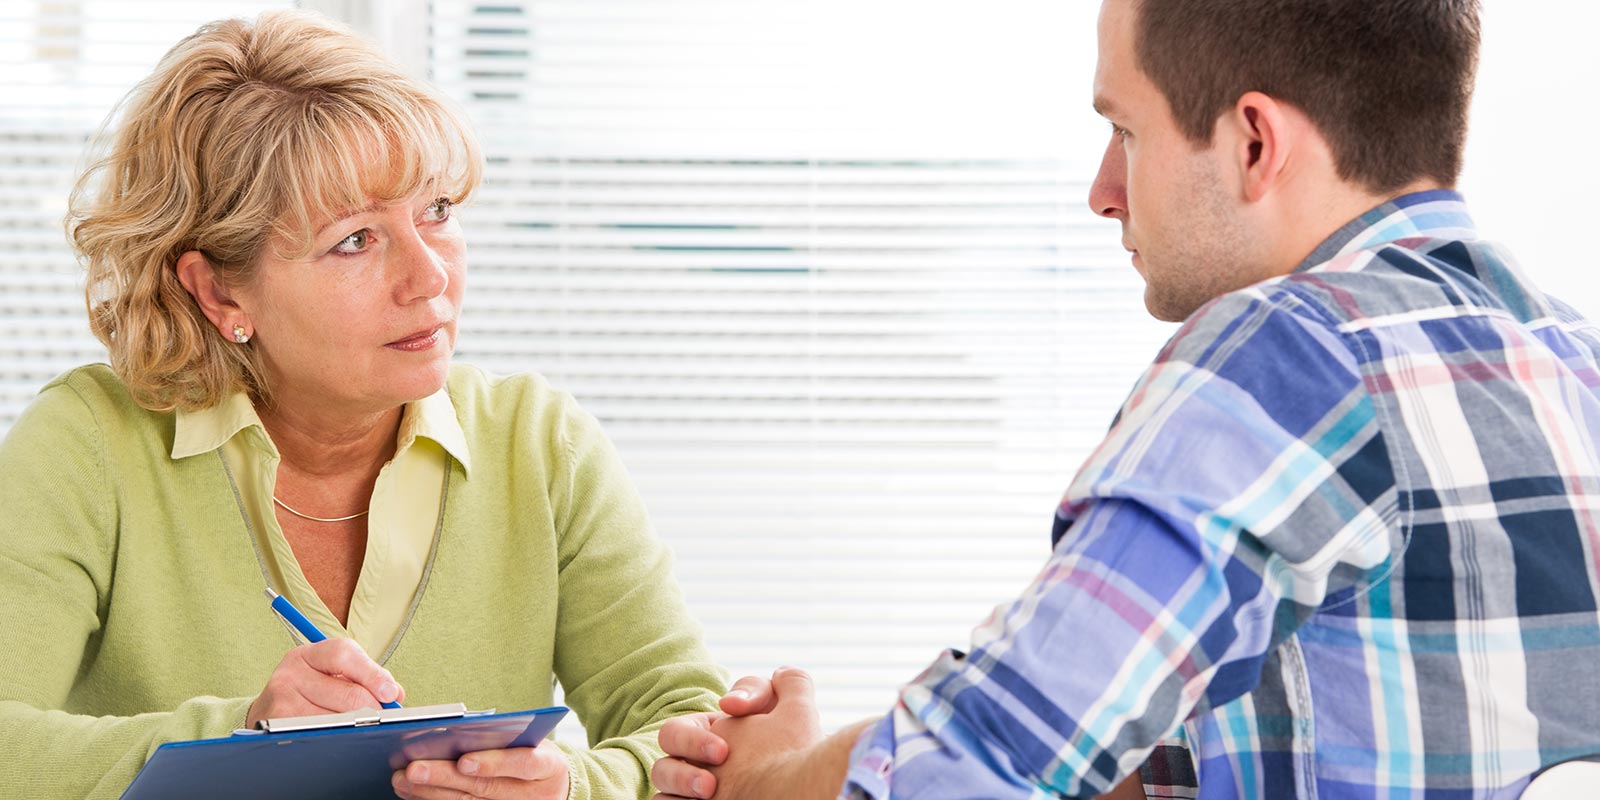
[
  {"x": 1119, "y": 132},
  {"x": 354, "y": 243},
  {"x": 439, "y": 210}
]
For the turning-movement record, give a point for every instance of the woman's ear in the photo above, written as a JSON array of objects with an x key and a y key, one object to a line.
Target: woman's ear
[
  {"x": 216, "y": 302},
  {"x": 1264, "y": 139}
]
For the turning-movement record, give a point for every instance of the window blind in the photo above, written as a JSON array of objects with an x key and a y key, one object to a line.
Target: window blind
[
  {"x": 67, "y": 63},
  {"x": 823, "y": 270},
  {"x": 827, "y": 275}
]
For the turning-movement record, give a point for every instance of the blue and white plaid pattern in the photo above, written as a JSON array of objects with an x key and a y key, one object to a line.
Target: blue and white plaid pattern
[{"x": 1341, "y": 542}]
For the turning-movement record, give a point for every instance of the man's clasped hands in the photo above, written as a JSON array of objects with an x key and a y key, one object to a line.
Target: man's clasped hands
[{"x": 766, "y": 742}]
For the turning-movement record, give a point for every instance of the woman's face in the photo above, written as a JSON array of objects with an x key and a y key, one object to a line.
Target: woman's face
[{"x": 367, "y": 321}]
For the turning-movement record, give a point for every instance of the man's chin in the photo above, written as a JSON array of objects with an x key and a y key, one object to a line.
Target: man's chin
[{"x": 1161, "y": 307}]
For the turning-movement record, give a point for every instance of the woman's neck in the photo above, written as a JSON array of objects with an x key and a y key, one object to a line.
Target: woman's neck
[{"x": 316, "y": 444}]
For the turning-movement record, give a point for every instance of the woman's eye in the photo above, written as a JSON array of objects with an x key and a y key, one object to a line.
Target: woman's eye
[
  {"x": 438, "y": 210},
  {"x": 354, "y": 243}
]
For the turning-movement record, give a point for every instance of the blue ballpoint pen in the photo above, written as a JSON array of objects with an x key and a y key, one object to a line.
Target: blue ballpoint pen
[{"x": 298, "y": 620}]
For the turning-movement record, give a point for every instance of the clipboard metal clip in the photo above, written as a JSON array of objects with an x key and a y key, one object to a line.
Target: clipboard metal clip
[{"x": 363, "y": 717}]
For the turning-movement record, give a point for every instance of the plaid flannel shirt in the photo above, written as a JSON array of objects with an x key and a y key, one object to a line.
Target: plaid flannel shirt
[{"x": 1339, "y": 543}]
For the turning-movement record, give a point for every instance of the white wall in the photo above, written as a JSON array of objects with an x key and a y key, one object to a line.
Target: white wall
[{"x": 1532, "y": 160}]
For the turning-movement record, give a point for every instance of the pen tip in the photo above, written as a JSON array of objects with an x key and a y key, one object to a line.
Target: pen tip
[{"x": 271, "y": 595}]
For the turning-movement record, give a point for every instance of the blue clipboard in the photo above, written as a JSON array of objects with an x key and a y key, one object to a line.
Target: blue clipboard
[{"x": 351, "y": 755}]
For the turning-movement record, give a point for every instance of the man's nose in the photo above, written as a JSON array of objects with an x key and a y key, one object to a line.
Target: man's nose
[{"x": 1108, "y": 196}]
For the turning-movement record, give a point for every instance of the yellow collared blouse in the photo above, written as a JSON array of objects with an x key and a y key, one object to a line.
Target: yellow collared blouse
[{"x": 401, "y": 527}]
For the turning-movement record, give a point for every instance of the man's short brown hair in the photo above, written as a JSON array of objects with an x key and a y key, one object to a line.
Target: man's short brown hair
[{"x": 1388, "y": 82}]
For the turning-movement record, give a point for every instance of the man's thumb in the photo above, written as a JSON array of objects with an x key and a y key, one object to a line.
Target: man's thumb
[{"x": 792, "y": 685}]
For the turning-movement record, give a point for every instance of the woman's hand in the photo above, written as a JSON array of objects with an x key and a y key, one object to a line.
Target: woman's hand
[
  {"x": 330, "y": 676},
  {"x": 522, "y": 773}
]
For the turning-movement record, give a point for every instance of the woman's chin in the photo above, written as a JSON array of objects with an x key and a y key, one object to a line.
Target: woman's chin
[{"x": 420, "y": 381}]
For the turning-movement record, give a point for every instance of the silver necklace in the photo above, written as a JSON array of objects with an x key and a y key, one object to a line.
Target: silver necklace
[{"x": 317, "y": 519}]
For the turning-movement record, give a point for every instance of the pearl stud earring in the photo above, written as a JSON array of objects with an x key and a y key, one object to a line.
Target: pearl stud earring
[{"x": 239, "y": 335}]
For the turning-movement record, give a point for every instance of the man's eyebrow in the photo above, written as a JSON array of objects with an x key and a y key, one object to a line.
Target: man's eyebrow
[{"x": 1104, "y": 107}]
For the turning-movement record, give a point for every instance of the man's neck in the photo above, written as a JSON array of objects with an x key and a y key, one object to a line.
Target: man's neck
[{"x": 1322, "y": 215}]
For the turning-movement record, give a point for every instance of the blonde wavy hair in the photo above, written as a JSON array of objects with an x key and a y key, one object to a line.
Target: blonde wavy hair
[{"x": 246, "y": 135}]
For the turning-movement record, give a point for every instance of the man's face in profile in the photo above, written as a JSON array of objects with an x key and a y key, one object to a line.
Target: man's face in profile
[{"x": 1178, "y": 213}]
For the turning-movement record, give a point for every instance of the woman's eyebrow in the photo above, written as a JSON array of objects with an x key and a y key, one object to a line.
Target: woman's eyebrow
[{"x": 344, "y": 215}]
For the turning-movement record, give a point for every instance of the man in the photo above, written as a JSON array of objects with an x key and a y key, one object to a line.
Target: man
[{"x": 1339, "y": 541}]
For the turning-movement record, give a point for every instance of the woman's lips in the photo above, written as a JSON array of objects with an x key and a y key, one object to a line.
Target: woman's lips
[{"x": 422, "y": 340}]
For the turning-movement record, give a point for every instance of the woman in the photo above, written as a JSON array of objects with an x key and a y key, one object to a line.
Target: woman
[{"x": 276, "y": 269}]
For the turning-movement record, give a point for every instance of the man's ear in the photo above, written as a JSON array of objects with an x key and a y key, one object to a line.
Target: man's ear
[
  {"x": 1263, "y": 137},
  {"x": 198, "y": 277}
]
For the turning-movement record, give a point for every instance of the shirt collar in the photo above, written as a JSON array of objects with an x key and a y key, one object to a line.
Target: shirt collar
[
  {"x": 202, "y": 431},
  {"x": 433, "y": 417},
  {"x": 1433, "y": 214}
]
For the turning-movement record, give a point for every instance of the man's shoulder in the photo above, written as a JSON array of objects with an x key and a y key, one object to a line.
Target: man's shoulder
[
  {"x": 1401, "y": 282},
  {"x": 1259, "y": 321},
  {"x": 1421, "y": 277}
]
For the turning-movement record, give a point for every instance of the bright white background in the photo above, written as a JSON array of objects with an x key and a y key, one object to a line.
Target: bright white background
[
  {"x": 823, "y": 269},
  {"x": 1532, "y": 158}
]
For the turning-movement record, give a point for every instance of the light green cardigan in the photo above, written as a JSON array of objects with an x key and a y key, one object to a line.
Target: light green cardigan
[{"x": 131, "y": 611}]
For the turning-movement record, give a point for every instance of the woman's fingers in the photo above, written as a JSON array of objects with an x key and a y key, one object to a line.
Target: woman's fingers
[
  {"x": 331, "y": 675},
  {"x": 343, "y": 658},
  {"x": 689, "y": 737},
  {"x": 678, "y": 778},
  {"x": 493, "y": 774},
  {"x": 541, "y": 763}
]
